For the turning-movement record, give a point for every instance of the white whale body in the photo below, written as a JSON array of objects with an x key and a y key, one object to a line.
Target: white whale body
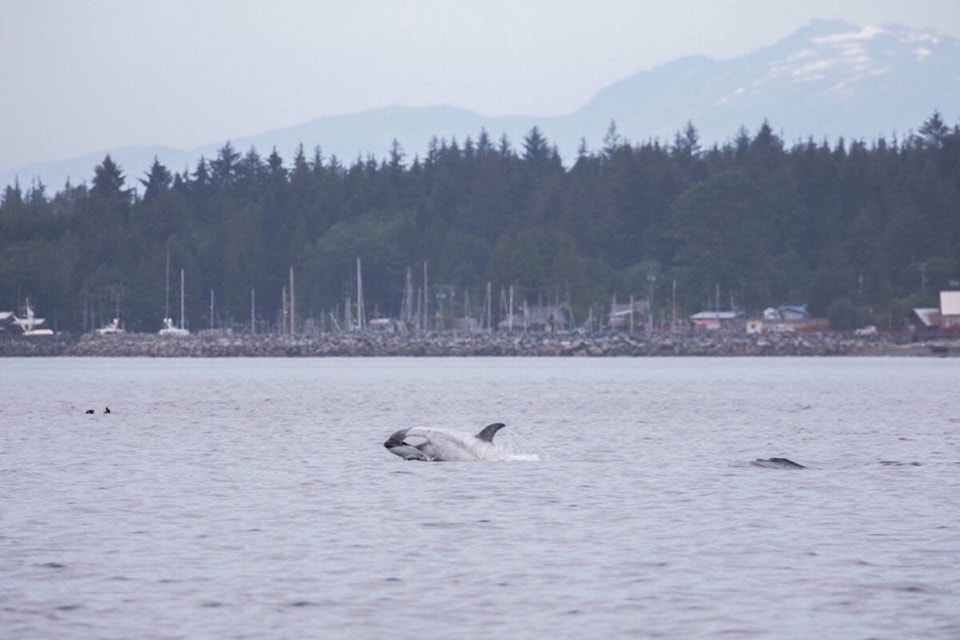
[{"x": 427, "y": 444}]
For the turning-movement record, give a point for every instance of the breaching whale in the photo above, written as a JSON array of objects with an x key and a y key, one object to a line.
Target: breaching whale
[{"x": 424, "y": 443}]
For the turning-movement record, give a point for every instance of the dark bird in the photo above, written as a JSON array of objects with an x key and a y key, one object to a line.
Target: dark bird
[
  {"x": 106, "y": 410},
  {"x": 89, "y": 411}
]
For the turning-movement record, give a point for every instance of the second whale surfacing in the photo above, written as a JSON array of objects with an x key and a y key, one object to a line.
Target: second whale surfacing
[
  {"x": 427, "y": 444},
  {"x": 777, "y": 463}
]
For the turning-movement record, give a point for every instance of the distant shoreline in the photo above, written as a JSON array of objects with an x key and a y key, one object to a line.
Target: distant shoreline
[{"x": 370, "y": 344}]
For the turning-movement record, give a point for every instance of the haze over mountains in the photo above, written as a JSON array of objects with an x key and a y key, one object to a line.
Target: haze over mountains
[{"x": 828, "y": 80}]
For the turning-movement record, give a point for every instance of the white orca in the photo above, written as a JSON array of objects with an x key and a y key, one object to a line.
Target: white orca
[{"x": 424, "y": 443}]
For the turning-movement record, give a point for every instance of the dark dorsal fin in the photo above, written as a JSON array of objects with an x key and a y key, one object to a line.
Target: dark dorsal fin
[
  {"x": 489, "y": 431},
  {"x": 781, "y": 463}
]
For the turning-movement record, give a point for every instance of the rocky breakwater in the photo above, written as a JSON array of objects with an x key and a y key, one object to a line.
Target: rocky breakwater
[
  {"x": 441, "y": 344},
  {"x": 35, "y": 346}
]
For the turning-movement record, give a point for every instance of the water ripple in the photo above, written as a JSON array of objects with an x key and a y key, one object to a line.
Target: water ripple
[{"x": 260, "y": 489}]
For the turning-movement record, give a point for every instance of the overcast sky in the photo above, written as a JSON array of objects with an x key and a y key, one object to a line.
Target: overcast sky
[{"x": 81, "y": 76}]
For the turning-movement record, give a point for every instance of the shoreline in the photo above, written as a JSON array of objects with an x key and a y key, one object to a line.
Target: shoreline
[{"x": 449, "y": 344}]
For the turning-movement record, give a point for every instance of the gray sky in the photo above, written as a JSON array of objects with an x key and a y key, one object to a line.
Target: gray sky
[{"x": 81, "y": 76}]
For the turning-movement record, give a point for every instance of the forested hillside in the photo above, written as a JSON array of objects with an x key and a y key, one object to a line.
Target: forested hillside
[{"x": 860, "y": 231}]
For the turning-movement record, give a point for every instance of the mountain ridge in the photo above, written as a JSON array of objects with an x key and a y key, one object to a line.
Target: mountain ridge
[{"x": 827, "y": 80}]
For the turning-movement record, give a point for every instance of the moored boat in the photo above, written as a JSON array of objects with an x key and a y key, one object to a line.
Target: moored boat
[{"x": 31, "y": 325}]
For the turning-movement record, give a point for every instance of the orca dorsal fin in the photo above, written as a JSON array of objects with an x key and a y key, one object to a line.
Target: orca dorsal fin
[{"x": 489, "y": 431}]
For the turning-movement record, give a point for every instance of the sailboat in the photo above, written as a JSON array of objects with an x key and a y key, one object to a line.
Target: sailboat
[
  {"x": 169, "y": 328},
  {"x": 29, "y": 326},
  {"x": 111, "y": 329}
]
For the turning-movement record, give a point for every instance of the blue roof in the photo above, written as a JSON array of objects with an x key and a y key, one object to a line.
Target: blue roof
[{"x": 794, "y": 308}]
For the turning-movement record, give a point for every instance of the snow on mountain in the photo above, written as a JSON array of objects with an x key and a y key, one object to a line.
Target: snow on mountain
[{"x": 828, "y": 80}]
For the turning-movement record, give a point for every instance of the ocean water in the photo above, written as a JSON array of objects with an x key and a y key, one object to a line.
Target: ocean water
[{"x": 254, "y": 498}]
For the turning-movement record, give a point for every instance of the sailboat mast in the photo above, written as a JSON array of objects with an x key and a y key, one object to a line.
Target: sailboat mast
[
  {"x": 489, "y": 305},
  {"x": 293, "y": 307},
  {"x": 166, "y": 301},
  {"x": 360, "y": 310},
  {"x": 182, "y": 325},
  {"x": 426, "y": 298},
  {"x": 408, "y": 299},
  {"x": 419, "y": 309}
]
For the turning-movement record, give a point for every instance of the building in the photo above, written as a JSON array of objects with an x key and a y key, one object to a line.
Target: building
[
  {"x": 715, "y": 320},
  {"x": 929, "y": 317},
  {"x": 785, "y": 318},
  {"x": 950, "y": 309},
  {"x": 794, "y": 314},
  {"x": 622, "y": 317}
]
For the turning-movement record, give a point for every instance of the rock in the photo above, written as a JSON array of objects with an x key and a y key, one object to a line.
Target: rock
[{"x": 348, "y": 344}]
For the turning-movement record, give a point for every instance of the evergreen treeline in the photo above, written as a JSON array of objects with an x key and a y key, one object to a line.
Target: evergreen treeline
[{"x": 861, "y": 233}]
